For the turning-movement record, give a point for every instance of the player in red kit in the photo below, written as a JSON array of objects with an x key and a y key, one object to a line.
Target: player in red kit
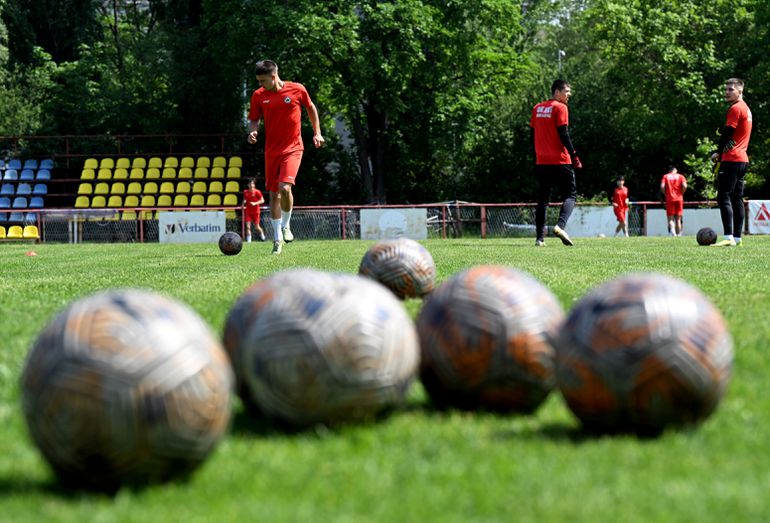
[
  {"x": 278, "y": 104},
  {"x": 555, "y": 159},
  {"x": 252, "y": 199},
  {"x": 620, "y": 205},
  {"x": 673, "y": 185},
  {"x": 734, "y": 162}
]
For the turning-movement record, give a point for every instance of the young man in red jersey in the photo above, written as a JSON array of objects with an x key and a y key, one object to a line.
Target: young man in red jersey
[
  {"x": 734, "y": 162},
  {"x": 252, "y": 199},
  {"x": 278, "y": 103},
  {"x": 673, "y": 185},
  {"x": 555, "y": 159},
  {"x": 620, "y": 205}
]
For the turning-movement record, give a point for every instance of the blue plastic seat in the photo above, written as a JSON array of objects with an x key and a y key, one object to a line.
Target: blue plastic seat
[
  {"x": 24, "y": 189},
  {"x": 3, "y": 217},
  {"x": 5, "y": 202},
  {"x": 20, "y": 202},
  {"x": 46, "y": 163},
  {"x": 11, "y": 174},
  {"x": 43, "y": 174},
  {"x": 16, "y": 217},
  {"x": 36, "y": 202},
  {"x": 14, "y": 164},
  {"x": 2, "y": 164},
  {"x": 30, "y": 217},
  {"x": 27, "y": 174},
  {"x": 30, "y": 163},
  {"x": 40, "y": 188},
  {"x": 7, "y": 189}
]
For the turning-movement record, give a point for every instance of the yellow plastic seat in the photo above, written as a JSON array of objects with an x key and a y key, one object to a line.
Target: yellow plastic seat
[
  {"x": 201, "y": 172},
  {"x": 199, "y": 187},
  {"x": 139, "y": 163},
  {"x": 2, "y": 232},
  {"x": 216, "y": 187},
  {"x": 180, "y": 200},
  {"x": 152, "y": 173},
  {"x": 188, "y": 162},
  {"x": 230, "y": 200},
  {"x": 148, "y": 200},
  {"x": 167, "y": 188},
  {"x": 171, "y": 161},
  {"x": 164, "y": 200},
  {"x": 87, "y": 174},
  {"x": 102, "y": 188},
  {"x": 136, "y": 174},
  {"x": 169, "y": 172},
  {"x": 129, "y": 215},
  {"x": 15, "y": 232},
  {"x": 183, "y": 187},
  {"x": 150, "y": 188},
  {"x": 131, "y": 200},
  {"x": 115, "y": 201},
  {"x": 235, "y": 161},
  {"x": 184, "y": 173},
  {"x": 203, "y": 161},
  {"x": 214, "y": 200},
  {"x": 107, "y": 163},
  {"x": 123, "y": 163},
  {"x": 197, "y": 200},
  {"x": 82, "y": 202},
  {"x": 155, "y": 163},
  {"x": 233, "y": 172},
  {"x": 31, "y": 232},
  {"x": 98, "y": 202},
  {"x": 120, "y": 174},
  {"x": 91, "y": 163},
  {"x": 219, "y": 161},
  {"x": 232, "y": 186},
  {"x": 134, "y": 188},
  {"x": 217, "y": 172},
  {"x": 104, "y": 174},
  {"x": 85, "y": 188},
  {"x": 118, "y": 188}
]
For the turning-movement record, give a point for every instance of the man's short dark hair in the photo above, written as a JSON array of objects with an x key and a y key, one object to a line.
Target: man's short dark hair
[
  {"x": 265, "y": 67},
  {"x": 671, "y": 168},
  {"x": 621, "y": 178},
  {"x": 737, "y": 82},
  {"x": 559, "y": 85}
]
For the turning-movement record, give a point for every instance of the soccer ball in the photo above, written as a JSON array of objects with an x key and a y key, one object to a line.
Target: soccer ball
[
  {"x": 706, "y": 236},
  {"x": 126, "y": 387},
  {"x": 310, "y": 347},
  {"x": 643, "y": 352},
  {"x": 230, "y": 243},
  {"x": 402, "y": 265},
  {"x": 485, "y": 336}
]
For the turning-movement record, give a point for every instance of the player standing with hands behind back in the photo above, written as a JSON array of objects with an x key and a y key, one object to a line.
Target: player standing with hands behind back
[
  {"x": 279, "y": 103},
  {"x": 555, "y": 159},
  {"x": 734, "y": 159}
]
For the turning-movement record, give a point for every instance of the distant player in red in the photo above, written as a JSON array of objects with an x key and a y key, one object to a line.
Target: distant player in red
[
  {"x": 278, "y": 104},
  {"x": 555, "y": 159},
  {"x": 252, "y": 199},
  {"x": 673, "y": 185},
  {"x": 620, "y": 206},
  {"x": 734, "y": 162}
]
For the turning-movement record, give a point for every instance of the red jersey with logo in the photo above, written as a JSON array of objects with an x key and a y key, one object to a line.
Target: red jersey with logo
[
  {"x": 620, "y": 196},
  {"x": 252, "y": 197},
  {"x": 281, "y": 111},
  {"x": 738, "y": 117},
  {"x": 673, "y": 185},
  {"x": 546, "y": 118}
]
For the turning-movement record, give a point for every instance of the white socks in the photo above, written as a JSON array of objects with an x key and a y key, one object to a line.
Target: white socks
[
  {"x": 276, "y": 229},
  {"x": 285, "y": 217}
]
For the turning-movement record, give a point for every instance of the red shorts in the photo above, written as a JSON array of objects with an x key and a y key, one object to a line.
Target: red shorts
[
  {"x": 281, "y": 169},
  {"x": 251, "y": 214},
  {"x": 674, "y": 208},
  {"x": 620, "y": 213}
]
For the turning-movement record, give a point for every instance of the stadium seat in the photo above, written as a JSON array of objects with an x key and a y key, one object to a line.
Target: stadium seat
[
  {"x": 118, "y": 188},
  {"x": 91, "y": 163},
  {"x": 197, "y": 200},
  {"x": 115, "y": 201},
  {"x": 201, "y": 172},
  {"x": 230, "y": 200},
  {"x": 27, "y": 174},
  {"x": 30, "y": 217},
  {"x": 132, "y": 200},
  {"x": 155, "y": 163},
  {"x": 47, "y": 164},
  {"x": 87, "y": 174},
  {"x": 150, "y": 188},
  {"x": 217, "y": 172},
  {"x": 134, "y": 188},
  {"x": 139, "y": 163},
  {"x": 107, "y": 163},
  {"x": 3, "y": 217},
  {"x": 14, "y": 164},
  {"x": 169, "y": 172},
  {"x": 36, "y": 202},
  {"x": 82, "y": 202},
  {"x": 203, "y": 161},
  {"x": 216, "y": 187},
  {"x": 102, "y": 188},
  {"x": 164, "y": 200},
  {"x": 43, "y": 174},
  {"x": 171, "y": 162},
  {"x": 85, "y": 188},
  {"x": 136, "y": 174},
  {"x": 20, "y": 202},
  {"x": 180, "y": 200},
  {"x": 40, "y": 188},
  {"x": 148, "y": 200},
  {"x": 167, "y": 188},
  {"x": 213, "y": 200},
  {"x": 7, "y": 189},
  {"x": 24, "y": 189},
  {"x": 153, "y": 173},
  {"x": 199, "y": 187},
  {"x": 219, "y": 161},
  {"x": 235, "y": 161},
  {"x": 2, "y": 229},
  {"x": 233, "y": 172},
  {"x": 15, "y": 232},
  {"x": 183, "y": 187},
  {"x": 232, "y": 186},
  {"x": 104, "y": 174},
  {"x": 188, "y": 162},
  {"x": 31, "y": 164},
  {"x": 30, "y": 232},
  {"x": 120, "y": 174},
  {"x": 11, "y": 174},
  {"x": 123, "y": 163},
  {"x": 2, "y": 164},
  {"x": 98, "y": 202},
  {"x": 185, "y": 173},
  {"x": 16, "y": 217},
  {"x": 128, "y": 215},
  {"x": 5, "y": 202}
]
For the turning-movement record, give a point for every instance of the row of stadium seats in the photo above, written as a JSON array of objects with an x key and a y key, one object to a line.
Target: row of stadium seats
[
  {"x": 160, "y": 163},
  {"x": 149, "y": 200},
  {"x": 17, "y": 232},
  {"x": 154, "y": 173},
  {"x": 23, "y": 189},
  {"x": 20, "y": 202},
  {"x": 18, "y": 217},
  {"x": 153, "y": 188},
  {"x": 26, "y": 175},
  {"x": 30, "y": 163}
]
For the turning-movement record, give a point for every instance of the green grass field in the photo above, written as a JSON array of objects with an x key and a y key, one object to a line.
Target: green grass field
[{"x": 418, "y": 464}]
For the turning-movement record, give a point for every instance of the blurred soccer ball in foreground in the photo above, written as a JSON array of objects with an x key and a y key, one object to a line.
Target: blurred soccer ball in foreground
[
  {"x": 642, "y": 352},
  {"x": 230, "y": 243},
  {"x": 312, "y": 347},
  {"x": 485, "y": 336},
  {"x": 402, "y": 265},
  {"x": 706, "y": 236},
  {"x": 126, "y": 387}
]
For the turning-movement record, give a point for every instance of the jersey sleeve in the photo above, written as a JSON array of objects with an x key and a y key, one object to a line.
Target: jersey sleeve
[
  {"x": 255, "y": 109},
  {"x": 304, "y": 98},
  {"x": 733, "y": 116},
  {"x": 561, "y": 114}
]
